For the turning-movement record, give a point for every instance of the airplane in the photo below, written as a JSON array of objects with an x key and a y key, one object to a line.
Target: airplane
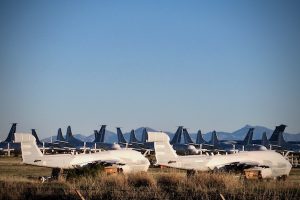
[
  {"x": 247, "y": 144},
  {"x": 277, "y": 141},
  {"x": 135, "y": 143},
  {"x": 201, "y": 145},
  {"x": 263, "y": 141},
  {"x": 58, "y": 146},
  {"x": 180, "y": 148},
  {"x": 98, "y": 142},
  {"x": 270, "y": 164},
  {"x": 125, "y": 160},
  {"x": 9, "y": 145}
]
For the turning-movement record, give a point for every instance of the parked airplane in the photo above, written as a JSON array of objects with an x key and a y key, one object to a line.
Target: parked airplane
[
  {"x": 9, "y": 145},
  {"x": 183, "y": 149},
  {"x": 126, "y": 160},
  {"x": 58, "y": 146},
  {"x": 277, "y": 141},
  {"x": 98, "y": 142},
  {"x": 135, "y": 143},
  {"x": 220, "y": 145},
  {"x": 247, "y": 144},
  {"x": 269, "y": 163}
]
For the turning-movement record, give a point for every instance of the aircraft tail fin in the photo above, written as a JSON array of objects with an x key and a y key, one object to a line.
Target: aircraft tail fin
[
  {"x": 96, "y": 134},
  {"x": 30, "y": 151},
  {"x": 69, "y": 134},
  {"x": 102, "y": 133},
  {"x": 248, "y": 137},
  {"x": 187, "y": 137},
  {"x": 214, "y": 139},
  {"x": 133, "y": 138},
  {"x": 11, "y": 134},
  {"x": 38, "y": 142},
  {"x": 121, "y": 138},
  {"x": 145, "y": 135},
  {"x": 59, "y": 136},
  {"x": 177, "y": 137},
  {"x": 264, "y": 140},
  {"x": 200, "y": 139},
  {"x": 164, "y": 152},
  {"x": 277, "y": 136}
]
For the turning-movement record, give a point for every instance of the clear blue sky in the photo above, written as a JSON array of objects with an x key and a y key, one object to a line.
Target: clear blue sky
[{"x": 202, "y": 64}]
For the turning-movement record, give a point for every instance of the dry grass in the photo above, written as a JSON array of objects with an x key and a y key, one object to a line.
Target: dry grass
[{"x": 156, "y": 184}]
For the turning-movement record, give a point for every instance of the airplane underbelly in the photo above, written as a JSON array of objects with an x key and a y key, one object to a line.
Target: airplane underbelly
[{"x": 135, "y": 168}]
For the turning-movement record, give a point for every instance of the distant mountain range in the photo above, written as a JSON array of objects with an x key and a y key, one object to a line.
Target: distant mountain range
[{"x": 239, "y": 134}]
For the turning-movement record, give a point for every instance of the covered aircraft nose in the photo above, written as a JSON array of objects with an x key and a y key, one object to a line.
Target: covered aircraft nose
[
  {"x": 192, "y": 149},
  {"x": 116, "y": 146}
]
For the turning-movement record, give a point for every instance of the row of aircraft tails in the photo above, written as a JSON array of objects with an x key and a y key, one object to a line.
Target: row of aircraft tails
[{"x": 184, "y": 147}]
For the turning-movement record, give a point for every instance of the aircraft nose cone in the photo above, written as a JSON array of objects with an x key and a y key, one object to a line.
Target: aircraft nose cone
[
  {"x": 116, "y": 146},
  {"x": 191, "y": 147}
]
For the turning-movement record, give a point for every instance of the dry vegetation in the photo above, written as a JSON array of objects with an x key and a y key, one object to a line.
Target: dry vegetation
[{"x": 157, "y": 184}]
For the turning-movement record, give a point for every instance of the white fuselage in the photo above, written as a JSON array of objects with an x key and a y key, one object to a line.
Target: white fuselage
[
  {"x": 276, "y": 162},
  {"x": 128, "y": 160},
  {"x": 272, "y": 164}
]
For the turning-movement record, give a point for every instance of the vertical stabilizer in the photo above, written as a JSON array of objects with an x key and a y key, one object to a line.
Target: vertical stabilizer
[
  {"x": 102, "y": 133},
  {"x": 177, "y": 137},
  {"x": 59, "y": 136},
  {"x": 30, "y": 152},
  {"x": 97, "y": 139},
  {"x": 264, "y": 140},
  {"x": 214, "y": 139},
  {"x": 145, "y": 135},
  {"x": 121, "y": 138},
  {"x": 277, "y": 136},
  {"x": 200, "y": 139},
  {"x": 187, "y": 137},
  {"x": 11, "y": 134},
  {"x": 132, "y": 138},
  {"x": 38, "y": 142},
  {"x": 248, "y": 137},
  {"x": 69, "y": 133},
  {"x": 164, "y": 152}
]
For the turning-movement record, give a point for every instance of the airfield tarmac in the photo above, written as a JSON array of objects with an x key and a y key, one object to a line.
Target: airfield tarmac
[{"x": 19, "y": 181}]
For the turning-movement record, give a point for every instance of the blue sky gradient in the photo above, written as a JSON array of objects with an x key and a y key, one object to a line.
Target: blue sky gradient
[{"x": 202, "y": 64}]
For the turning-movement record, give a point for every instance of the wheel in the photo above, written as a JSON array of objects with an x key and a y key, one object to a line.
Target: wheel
[{"x": 190, "y": 172}]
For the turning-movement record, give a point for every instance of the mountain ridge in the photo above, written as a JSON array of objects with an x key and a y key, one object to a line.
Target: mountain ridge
[{"x": 239, "y": 134}]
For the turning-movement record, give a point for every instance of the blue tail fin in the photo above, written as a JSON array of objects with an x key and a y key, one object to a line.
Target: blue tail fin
[
  {"x": 121, "y": 138},
  {"x": 187, "y": 137},
  {"x": 11, "y": 134},
  {"x": 248, "y": 137},
  {"x": 177, "y": 137},
  {"x": 132, "y": 138},
  {"x": 277, "y": 136},
  {"x": 200, "y": 139},
  {"x": 214, "y": 139},
  {"x": 145, "y": 135},
  {"x": 69, "y": 133},
  {"x": 264, "y": 140},
  {"x": 97, "y": 138},
  {"x": 38, "y": 142},
  {"x": 102, "y": 133},
  {"x": 59, "y": 136}
]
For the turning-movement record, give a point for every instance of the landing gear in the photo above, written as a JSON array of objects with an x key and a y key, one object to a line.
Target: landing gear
[
  {"x": 57, "y": 174},
  {"x": 190, "y": 173},
  {"x": 281, "y": 178}
]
